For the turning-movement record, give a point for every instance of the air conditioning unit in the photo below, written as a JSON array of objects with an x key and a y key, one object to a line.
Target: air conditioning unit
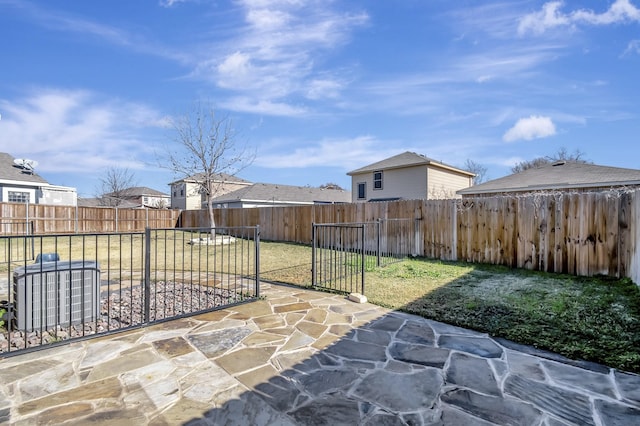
[{"x": 56, "y": 293}]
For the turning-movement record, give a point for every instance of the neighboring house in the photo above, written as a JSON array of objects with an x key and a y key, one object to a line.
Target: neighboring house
[
  {"x": 100, "y": 202},
  {"x": 186, "y": 193},
  {"x": 558, "y": 176},
  {"x": 139, "y": 196},
  {"x": 271, "y": 195},
  {"x": 407, "y": 176},
  {"x": 19, "y": 183}
]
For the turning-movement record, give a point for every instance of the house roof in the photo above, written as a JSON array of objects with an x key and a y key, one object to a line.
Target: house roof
[
  {"x": 139, "y": 191},
  {"x": 267, "y": 192},
  {"x": 99, "y": 202},
  {"x": 220, "y": 177},
  {"x": 559, "y": 175},
  {"x": 407, "y": 159},
  {"x": 10, "y": 171}
]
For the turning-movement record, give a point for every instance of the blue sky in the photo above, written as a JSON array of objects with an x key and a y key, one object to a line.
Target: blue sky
[{"x": 318, "y": 87}]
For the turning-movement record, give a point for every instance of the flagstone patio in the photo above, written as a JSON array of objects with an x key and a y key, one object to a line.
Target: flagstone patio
[{"x": 311, "y": 358}]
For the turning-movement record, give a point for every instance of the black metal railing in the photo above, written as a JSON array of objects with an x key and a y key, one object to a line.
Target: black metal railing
[
  {"x": 343, "y": 252},
  {"x": 92, "y": 284}
]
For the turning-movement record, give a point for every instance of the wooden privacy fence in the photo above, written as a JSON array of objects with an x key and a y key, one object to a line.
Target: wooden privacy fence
[
  {"x": 575, "y": 233},
  {"x": 18, "y": 218}
]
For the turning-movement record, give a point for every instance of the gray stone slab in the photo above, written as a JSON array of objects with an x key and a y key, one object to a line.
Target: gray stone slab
[
  {"x": 571, "y": 406},
  {"x": 248, "y": 409},
  {"x": 400, "y": 393},
  {"x": 451, "y": 416},
  {"x": 218, "y": 342},
  {"x": 613, "y": 414},
  {"x": 419, "y": 354},
  {"x": 383, "y": 419},
  {"x": 580, "y": 378},
  {"x": 329, "y": 410},
  {"x": 416, "y": 332},
  {"x": 481, "y": 346},
  {"x": 473, "y": 373},
  {"x": 525, "y": 365},
  {"x": 281, "y": 398},
  {"x": 376, "y": 337},
  {"x": 388, "y": 323},
  {"x": 526, "y": 349},
  {"x": 443, "y": 328},
  {"x": 358, "y": 351},
  {"x": 323, "y": 381},
  {"x": 628, "y": 385},
  {"x": 501, "y": 411}
]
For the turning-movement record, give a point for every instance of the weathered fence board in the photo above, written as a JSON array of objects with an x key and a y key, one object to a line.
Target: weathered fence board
[
  {"x": 575, "y": 233},
  {"x": 48, "y": 219}
]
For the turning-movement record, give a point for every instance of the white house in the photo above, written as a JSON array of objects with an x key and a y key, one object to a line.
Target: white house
[
  {"x": 408, "y": 176},
  {"x": 19, "y": 183}
]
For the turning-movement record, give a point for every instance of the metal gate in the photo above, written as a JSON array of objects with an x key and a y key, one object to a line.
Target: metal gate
[
  {"x": 343, "y": 252},
  {"x": 338, "y": 257}
]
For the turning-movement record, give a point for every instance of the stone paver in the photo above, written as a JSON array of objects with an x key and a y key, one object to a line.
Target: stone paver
[{"x": 310, "y": 358}]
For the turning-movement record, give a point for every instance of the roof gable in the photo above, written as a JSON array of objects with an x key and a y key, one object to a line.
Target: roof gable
[
  {"x": 406, "y": 159},
  {"x": 559, "y": 175},
  {"x": 10, "y": 171}
]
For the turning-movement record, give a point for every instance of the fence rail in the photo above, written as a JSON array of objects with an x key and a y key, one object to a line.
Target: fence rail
[
  {"x": 574, "y": 233},
  {"x": 41, "y": 219},
  {"x": 94, "y": 284}
]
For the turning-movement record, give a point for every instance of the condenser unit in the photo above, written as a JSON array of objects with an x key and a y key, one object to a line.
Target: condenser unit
[{"x": 56, "y": 293}]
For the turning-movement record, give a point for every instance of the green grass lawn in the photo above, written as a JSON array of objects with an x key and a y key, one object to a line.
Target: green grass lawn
[{"x": 594, "y": 319}]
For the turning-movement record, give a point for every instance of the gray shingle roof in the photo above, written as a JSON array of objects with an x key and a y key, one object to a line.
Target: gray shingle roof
[
  {"x": 561, "y": 175},
  {"x": 221, "y": 177},
  {"x": 267, "y": 192},
  {"x": 9, "y": 171},
  {"x": 403, "y": 160},
  {"x": 139, "y": 191}
]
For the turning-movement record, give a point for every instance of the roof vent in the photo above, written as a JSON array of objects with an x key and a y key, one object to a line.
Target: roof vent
[{"x": 559, "y": 163}]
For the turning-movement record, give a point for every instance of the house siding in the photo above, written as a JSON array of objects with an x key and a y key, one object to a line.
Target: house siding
[
  {"x": 444, "y": 184},
  {"x": 409, "y": 183}
]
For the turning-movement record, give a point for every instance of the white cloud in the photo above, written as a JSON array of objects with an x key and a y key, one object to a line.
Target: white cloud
[
  {"x": 632, "y": 48},
  {"x": 171, "y": 3},
  {"x": 534, "y": 127},
  {"x": 620, "y": 11},
  {"x": 74, "y": 131},
  {"x": 262, "y": 107},
  {"x": 343, "y": 153},
  {"x": 274, "y": 54}
]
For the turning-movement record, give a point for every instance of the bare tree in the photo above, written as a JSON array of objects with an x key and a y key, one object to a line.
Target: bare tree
[
  {"x": 562, "y": 155},
  {"x": 205, "y": 145},
  {"x": 331, "y": 185},
  {"x": 113, "y": 186},
  {"x": 478, "y": 169}
]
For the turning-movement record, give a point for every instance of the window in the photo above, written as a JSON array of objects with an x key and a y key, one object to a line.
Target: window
[
  {"x": 362, "y": 190},
  {"x": 377, "y": 180},
  {"x": 181, "y": 192},
  {"x": 18, "y": 197}
]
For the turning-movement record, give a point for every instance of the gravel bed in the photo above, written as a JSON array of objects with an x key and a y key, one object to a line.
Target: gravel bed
[{"x": 125, "y": 309}]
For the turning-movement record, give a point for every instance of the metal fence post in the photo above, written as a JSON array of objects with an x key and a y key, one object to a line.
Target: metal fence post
[
  {"x": 362, "y": 269},
  {"x": 313, "y": 254},
  {"x": 378, "y": 243},
  {"x": 257, "y": 239},
  {"x": 147, "y": 275}
]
